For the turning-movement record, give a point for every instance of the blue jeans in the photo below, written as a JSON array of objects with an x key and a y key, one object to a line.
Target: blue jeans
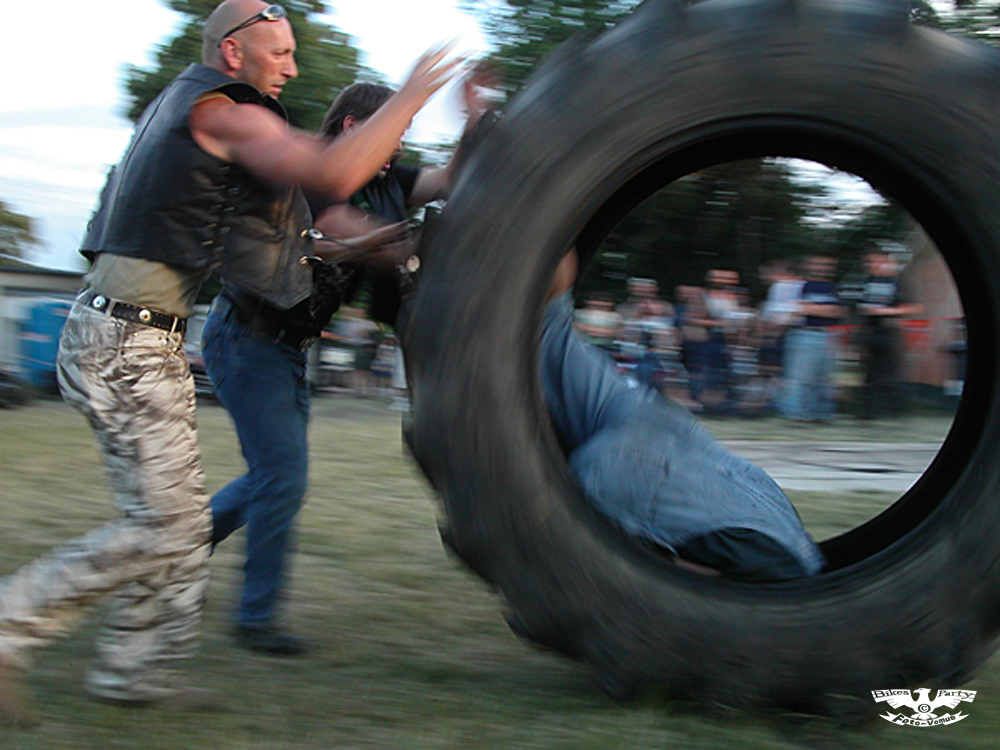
[
  {"x": 808, "y": 384},
  {"x": 644, "y": 462},
  {"x": 262, "y": 384}
]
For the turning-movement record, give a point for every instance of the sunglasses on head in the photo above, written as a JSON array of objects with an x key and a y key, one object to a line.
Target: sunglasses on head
[{"x": 270, "y": 13}]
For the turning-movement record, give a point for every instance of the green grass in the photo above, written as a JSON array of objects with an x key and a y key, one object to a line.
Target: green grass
[{"x": 413, "y": 652}]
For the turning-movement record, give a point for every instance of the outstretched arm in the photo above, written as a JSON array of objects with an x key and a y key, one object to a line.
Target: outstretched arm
[
  {"x": 261, "y": 142},
  {"x": 360, "y": 236}
]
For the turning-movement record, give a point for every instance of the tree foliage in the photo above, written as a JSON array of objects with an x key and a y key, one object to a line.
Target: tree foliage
[
  {"x": 737, "y": 216},
  {"x": 525, "y": 31},
  {"x": 327, "y": 61},
  {"x": 979, "y": 19},
  {"x": 17, "y": 232}
]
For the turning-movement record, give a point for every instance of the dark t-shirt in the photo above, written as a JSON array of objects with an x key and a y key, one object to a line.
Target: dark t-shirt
[
  {"x": 387, "y": 197},
  {"x": 819, "y": 293},
  {"x": 881, "y": 291}
]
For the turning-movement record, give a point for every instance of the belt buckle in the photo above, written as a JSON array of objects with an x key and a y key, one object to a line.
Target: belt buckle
[{"x": 306, "y": 343}]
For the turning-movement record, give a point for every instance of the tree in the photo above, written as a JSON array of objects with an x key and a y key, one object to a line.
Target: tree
[
  {"x": 738, "y": 215},
  {"x": 327, "y": 61},
  {"x": 17, "y": 232},
  {"x": 525, "y": 31},
  {"x": 979, "y": 19}
]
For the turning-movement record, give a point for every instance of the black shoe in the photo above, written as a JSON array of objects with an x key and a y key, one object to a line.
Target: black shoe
[{"x": 270, "y": 639}]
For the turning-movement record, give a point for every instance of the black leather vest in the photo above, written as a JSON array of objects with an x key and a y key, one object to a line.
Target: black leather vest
[{"x": 170, "y": 201}]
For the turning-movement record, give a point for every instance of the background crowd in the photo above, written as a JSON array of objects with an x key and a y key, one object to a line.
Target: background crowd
[{"x": 811, "y": 349}]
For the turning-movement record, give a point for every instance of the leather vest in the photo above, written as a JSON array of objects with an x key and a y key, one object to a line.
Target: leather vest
[{"x": 170, "y": 201}]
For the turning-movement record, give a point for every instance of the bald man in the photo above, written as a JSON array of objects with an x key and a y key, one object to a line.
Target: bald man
[{"x": 211, "y": 180}]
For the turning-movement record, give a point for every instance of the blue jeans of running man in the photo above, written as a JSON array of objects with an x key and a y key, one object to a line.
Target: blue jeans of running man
[
  {"x": 644, "y": 462},
  {"x": 262, "y": 384},
  {"x": 808, "y": 383}
]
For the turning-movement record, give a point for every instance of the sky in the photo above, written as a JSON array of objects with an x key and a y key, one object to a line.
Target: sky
[{"x": 61, "y": 121}]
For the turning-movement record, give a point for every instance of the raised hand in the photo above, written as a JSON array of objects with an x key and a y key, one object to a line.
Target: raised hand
[{"x": 432, "y": 71}]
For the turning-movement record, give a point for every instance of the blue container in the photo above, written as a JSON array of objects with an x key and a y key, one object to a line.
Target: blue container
[{"x": 40, "y": 342}]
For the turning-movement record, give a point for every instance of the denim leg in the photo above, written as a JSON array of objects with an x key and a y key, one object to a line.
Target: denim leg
[
  {"x": 663, "y": 478},
  {"x": 811, "y": 365},
  {"x": 643, "y": 461},
  {"x": 583, "y": 391},
  {"x": 808, "y": 385},
  {"x": 791, "y": 403},
  {"x": 229, "y": 508},
  {"x": 263, "y": 386},
  {"x": 693, "y": 354},
  {"x": 817, "y": 373},
  {"x": 825, "y": 407}
]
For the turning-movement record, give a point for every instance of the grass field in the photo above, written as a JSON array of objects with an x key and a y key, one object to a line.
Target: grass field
[{"x": 413, "y": 652}]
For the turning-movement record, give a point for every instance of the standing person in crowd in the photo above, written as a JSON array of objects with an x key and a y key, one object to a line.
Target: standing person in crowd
[
  {"x": 810, "y": 348},
  {"x": 883, "y": 304},
  {"x": 254, "y": 342},
  {"x": 646, "y": 320},
  {"x": 355, "y": 331},
  {"x": 200, "y": 184},
  {"x": 598, "y": 322},
  {"x": 778, "y": 313},
  {"x": 692, "y": 322},
  {"x": 720, "y": 305},
  {"x": 644, "y": 301}
]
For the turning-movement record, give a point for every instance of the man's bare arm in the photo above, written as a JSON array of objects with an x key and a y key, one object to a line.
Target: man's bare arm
[
  {"x": 355, "y": 232},
  {"x": 821, "y": 310},
  {"x": 260, "y": 141},
  {"x": 362, "y": 238}
]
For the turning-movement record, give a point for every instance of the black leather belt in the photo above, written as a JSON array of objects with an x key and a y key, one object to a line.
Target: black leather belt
[
  {"x": 252, "y": 313},
  {"x": 132, "y": 313}
]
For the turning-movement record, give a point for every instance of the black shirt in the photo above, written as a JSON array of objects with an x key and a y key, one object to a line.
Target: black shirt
[
  {"x": 881, "y": 291},
  {"x": 385, "y": 196},
  {"x": 388, "y": 195}
]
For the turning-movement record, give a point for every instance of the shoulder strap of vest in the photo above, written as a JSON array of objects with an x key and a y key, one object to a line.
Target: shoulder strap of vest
[{"x": 238, "y": 91}]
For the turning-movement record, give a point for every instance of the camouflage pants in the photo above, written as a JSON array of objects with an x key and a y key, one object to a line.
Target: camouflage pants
[{"x": 133, "y": 384}]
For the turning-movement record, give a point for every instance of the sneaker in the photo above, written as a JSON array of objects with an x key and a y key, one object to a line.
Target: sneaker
[{"x": 271, "y": 639}]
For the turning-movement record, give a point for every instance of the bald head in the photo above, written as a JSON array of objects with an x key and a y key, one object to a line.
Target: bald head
[
  {"x": 261, "y": 53},
  {"x": 226, "y": 16}
]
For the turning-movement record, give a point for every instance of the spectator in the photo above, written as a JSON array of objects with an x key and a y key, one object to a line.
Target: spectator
[
  {"x": 721, "y": 305},
  {"x": 882, "y": 306},
  {"x": 353, "y": 330},
  {"x": 692, "y": 322},
  {"x": 598, "y": 322},
  {"x": 778, "y": 313},
  {"x": 810, "y": 347},
  {"x": 645, "y": 322}
]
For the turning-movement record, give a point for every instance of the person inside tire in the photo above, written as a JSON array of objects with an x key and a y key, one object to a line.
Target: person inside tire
[{"x": 645, "y": 463}]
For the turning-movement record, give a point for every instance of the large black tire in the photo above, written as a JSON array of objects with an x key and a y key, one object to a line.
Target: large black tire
[{"x": 913, "y": 596}]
